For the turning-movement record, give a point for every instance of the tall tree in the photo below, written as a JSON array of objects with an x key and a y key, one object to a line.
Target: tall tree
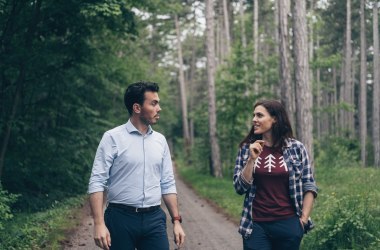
[
  {"x": 210, "y": 44},
  {"x": 255, "y": 42},
  {"x": 285, "y": 77},
  {"x": 376, "y": 88},
  {"x": 348, "y": 83},
  {"x": 363, "y": 86},
  {"x": 182, "y": 87},
  {"x": 227, "y": 33},
  {"x": 242, "y": 24},
  {"x": 304, "y": 98}
]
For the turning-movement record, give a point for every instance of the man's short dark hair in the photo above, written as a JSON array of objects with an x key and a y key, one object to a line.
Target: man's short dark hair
[{"x": 135, "y": 93}]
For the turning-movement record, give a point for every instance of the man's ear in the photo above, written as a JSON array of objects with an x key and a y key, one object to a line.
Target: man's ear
[{"x": 136, "y": 108}]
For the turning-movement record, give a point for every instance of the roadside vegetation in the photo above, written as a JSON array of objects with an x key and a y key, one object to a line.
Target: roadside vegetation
[{"x": 41, "y": 230}]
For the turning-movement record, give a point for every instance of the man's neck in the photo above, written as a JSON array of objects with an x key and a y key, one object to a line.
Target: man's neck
[{"x": 143, "y": 128}]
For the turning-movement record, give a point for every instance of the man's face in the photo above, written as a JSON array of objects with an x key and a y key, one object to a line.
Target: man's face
[{"x": 150, "y": 110}]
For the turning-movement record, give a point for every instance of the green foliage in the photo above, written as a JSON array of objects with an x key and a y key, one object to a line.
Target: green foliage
[
  {"x": 336, "y": 151},
  {"x": 349, "y": 222},
  {"x": 6, "y": 201},
  {"x": 43, "y": 230},
  {"x": 347, "y": 210},
  {"x": 71, "y": 70},
  {"x": 235, "y": 100}
]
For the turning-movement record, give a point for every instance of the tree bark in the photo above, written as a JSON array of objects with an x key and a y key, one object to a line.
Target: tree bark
[
  {"x": 182, "y": 87},
  {"x": 210, "y": 43},
  {"x": 348, "y": 117},
  {"x": 285, "y": 78},
  {"x": 255, "y": 43},
  {"x": 226, "y": 27},
  {"x": 304, "y": 97},
  {"x": 243, "y": 36},
  {"x": 376, "y": 89}
]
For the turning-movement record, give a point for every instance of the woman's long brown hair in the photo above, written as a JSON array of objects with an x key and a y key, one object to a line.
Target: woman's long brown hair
[{"x": 281, "y": 129}]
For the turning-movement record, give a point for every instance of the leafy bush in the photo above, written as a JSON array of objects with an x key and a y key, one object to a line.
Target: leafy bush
[
  {"x": 350, "y": 222},
  {"x": 337, "y": 152},
  {"x": 6, "y": 200},
  {"x": 42, "y": 230}
]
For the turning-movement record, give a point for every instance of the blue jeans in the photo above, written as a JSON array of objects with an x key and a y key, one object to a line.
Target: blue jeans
[
  {"x": 130, "y": 230},
  {"x": 275, "y": 235}
]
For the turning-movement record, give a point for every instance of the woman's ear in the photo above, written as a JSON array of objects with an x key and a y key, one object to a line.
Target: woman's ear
[{"x": 136, "y": 108}]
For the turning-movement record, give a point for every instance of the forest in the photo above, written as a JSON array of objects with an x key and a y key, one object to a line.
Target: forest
[{"x": 65, "y": 65}]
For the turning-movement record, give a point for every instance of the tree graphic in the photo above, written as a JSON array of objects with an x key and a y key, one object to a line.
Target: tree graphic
[
  {"x": 269, "y": 162},
  {"x": 257, "y": 163},
  {"x": 283, "y": 164}
]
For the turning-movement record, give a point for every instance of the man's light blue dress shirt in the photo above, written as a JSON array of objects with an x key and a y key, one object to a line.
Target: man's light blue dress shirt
[{"x": 135, "y": 169}]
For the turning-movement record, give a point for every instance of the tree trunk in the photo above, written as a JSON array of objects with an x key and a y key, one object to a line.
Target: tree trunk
[
  {"x": 285, "y": 78},
  {"x": 191, "y": 81},
  {"x": 210, "y": 43},
  {"x": 275, "y": 87},
  {"x": 376, "y": 89},
  {"x": 182, "y": 87},
  {"x": 304, "y": 118},
  {"x": 255, "y": 43},
  {"x": 348, "y": 115},
  {"x": 335, "y": 101},
  {"x": 243, "y": 36},
  {"x": 226, "y": 27}
]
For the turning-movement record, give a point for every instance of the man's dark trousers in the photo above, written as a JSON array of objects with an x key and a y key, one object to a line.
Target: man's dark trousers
[{"x": 132, "y": 230}]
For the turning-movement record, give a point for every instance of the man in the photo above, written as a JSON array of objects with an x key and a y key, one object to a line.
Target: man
[{"x": 133, "y": 168}]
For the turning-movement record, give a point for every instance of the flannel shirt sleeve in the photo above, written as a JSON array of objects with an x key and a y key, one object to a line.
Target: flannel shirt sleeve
[
  {"x": 308, "y": 181},
  {"x": 241, "y": 185}
]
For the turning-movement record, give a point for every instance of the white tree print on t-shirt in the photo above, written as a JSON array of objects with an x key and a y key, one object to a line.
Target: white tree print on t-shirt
[
  {"x": 270, "y": 162},
  {"x": 283, "y": 164}
]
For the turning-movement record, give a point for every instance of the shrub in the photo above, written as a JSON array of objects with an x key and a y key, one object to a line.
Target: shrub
[
  {"x": 336, "y": 151},
  {"x": 350, "y": 222},
  {"x": 6, "y": 200}
]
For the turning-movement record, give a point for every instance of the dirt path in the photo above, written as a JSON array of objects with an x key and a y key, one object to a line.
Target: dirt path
[{"x": 205, "y": 227}]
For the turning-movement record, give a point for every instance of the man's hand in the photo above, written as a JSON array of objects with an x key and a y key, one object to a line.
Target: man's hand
[
  {"x": 102, "y": 236},
  {"x": 179, "y": 234}
]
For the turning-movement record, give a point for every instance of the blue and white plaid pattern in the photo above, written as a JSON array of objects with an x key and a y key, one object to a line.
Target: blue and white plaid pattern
[{"x": 301, "y": 180}]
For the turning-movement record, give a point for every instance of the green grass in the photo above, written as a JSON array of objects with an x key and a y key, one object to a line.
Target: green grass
[
  {"x": 346, "y": 212},
  {"x": 42, "y": 230}
]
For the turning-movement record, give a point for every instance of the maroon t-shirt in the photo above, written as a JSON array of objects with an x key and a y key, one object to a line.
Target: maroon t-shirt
[{"x": 271, "y": 177}]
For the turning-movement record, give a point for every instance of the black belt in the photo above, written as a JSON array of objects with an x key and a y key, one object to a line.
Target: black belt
[{"x": 134, "y": 209}]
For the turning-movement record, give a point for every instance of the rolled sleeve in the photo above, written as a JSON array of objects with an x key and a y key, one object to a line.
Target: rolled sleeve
[
  {"x": 241, "y": 185},
  {"x": 308, "y": 182},
  {"x": 103, "y": 161}
]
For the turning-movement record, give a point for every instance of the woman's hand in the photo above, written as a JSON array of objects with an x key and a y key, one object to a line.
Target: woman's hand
[{"x": 256, "y": 148}]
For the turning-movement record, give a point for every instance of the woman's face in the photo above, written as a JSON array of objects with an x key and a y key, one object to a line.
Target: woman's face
[{"x": 262, "y": 121}]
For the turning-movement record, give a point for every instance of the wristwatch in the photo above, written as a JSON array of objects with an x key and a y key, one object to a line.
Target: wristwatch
[{"x": 179, "y": 218}]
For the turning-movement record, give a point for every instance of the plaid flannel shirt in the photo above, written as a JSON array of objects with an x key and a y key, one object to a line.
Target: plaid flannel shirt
[{"x": 301, "y": 180}]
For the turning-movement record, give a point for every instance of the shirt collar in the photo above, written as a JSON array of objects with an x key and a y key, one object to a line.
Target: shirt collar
[
  {"x": 288, "y": 143},
  {"x": 132, "y": 129}
]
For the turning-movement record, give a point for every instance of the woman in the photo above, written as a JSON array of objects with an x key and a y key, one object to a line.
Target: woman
[{"x": 273, "y": 171}]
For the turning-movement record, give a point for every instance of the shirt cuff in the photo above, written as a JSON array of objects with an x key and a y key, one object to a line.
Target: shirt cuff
[{"x": 245, "y": 180}]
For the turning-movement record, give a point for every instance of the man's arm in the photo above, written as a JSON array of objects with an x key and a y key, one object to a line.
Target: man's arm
[
  {"x": 101, "y": 234},
  {"x": 172, "y": 206}
]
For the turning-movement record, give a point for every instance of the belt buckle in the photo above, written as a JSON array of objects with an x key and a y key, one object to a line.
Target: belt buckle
[{"x": 137, "y": 210}]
